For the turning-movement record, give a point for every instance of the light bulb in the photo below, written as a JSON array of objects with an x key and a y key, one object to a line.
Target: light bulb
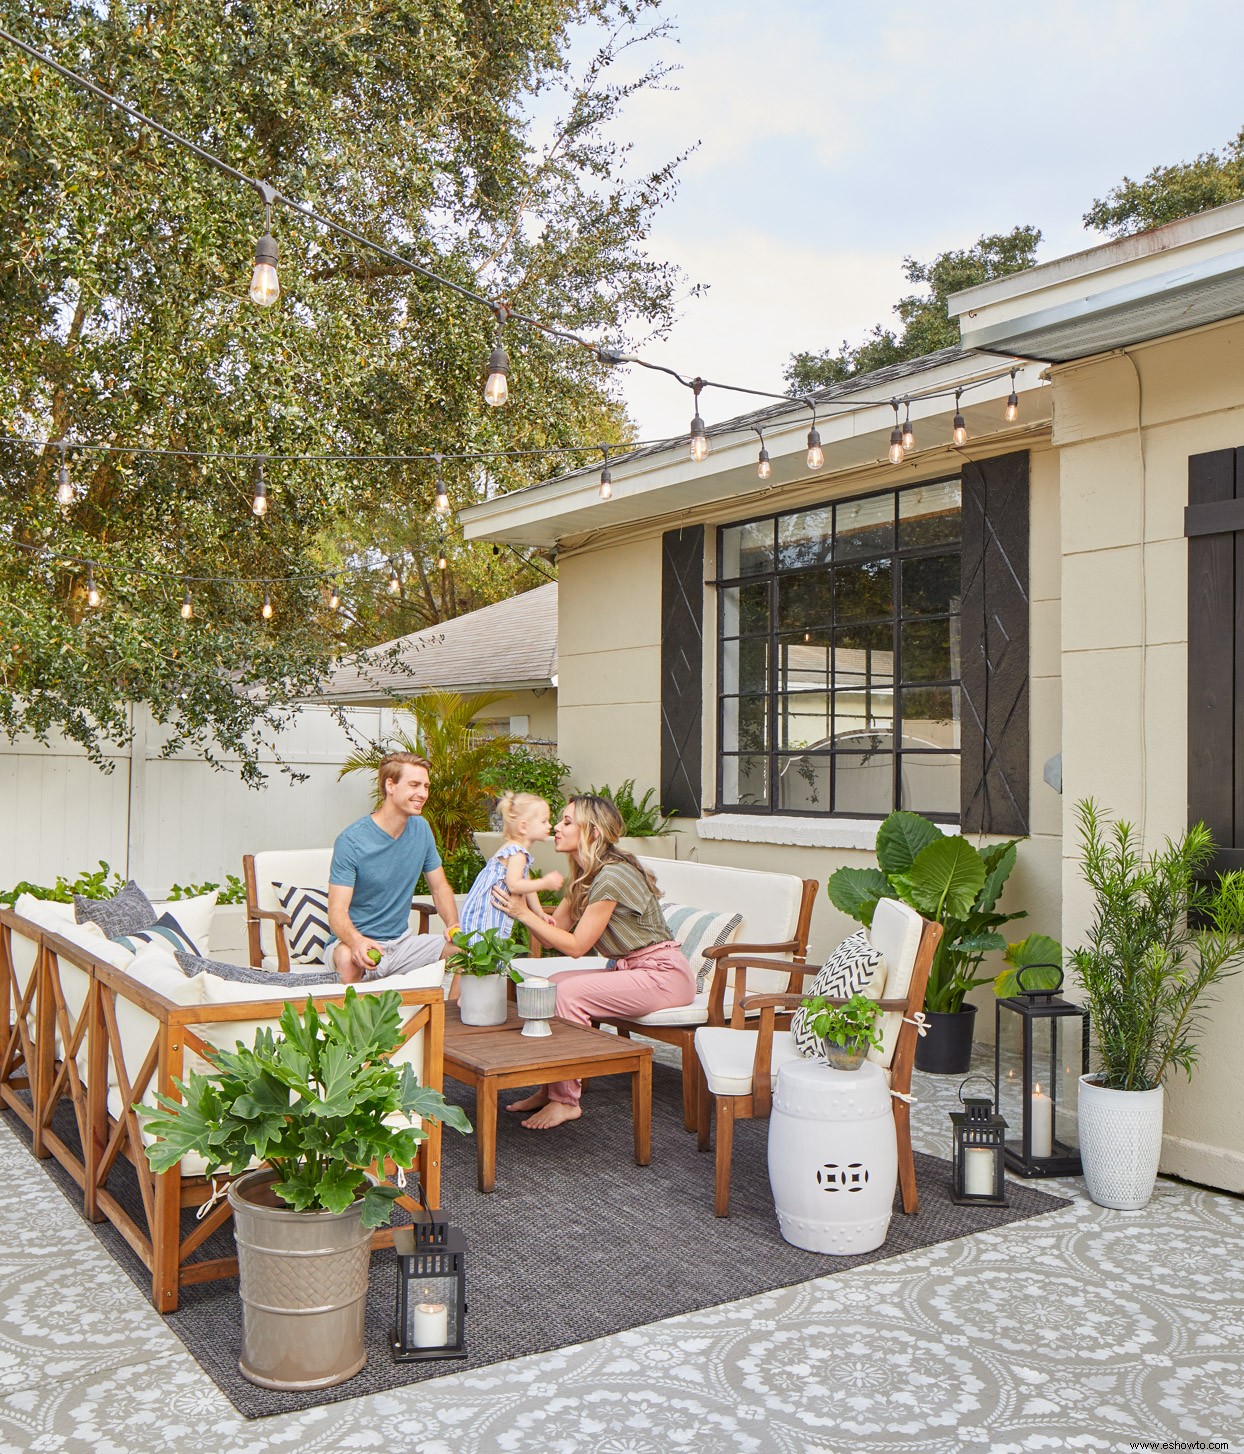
[
  {"x": 1012, "y": 408},
  {"x": 816, "y": 455},
  {"x": 187, "y": 606},
  {"x": 497, "y": 388},
  {"x": 896, "y": 446},
  {"x": 265, "y": 285},
  {"x": 266, "y": 610},
  {"x": 394, "y": 584},
  {"x": 699, "y": 440},
  {"x": 909, "y": 434},
  {"x": 960, "y": 430},
  {"x": 64, "y": 485},
  {"x": 442, "y": 500},
  {"x": 763, "y": 468},
  {"x": 606, "y": 484},
  {"x": 334, "y": 598},
  {"x": 259, "y": 505},
  {"x": 92, "y": 590},
  {"x": 441, "y": 562}
]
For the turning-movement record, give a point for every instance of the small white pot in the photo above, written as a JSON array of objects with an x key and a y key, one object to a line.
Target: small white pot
[
  {"x": 481, "y": 999},
  {"x": 1120, "y": 1143}
]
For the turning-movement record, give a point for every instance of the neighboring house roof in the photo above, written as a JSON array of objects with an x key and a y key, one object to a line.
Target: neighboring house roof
[
  {"x": 854, "y": 420},
  {"x": 510, "y": 646},
  {"x": 1170, "y": 279}
]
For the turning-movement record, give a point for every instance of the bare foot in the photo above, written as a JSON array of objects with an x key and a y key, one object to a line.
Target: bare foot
[
  {"x": 552, "y": 1114},
  {"x": 532, "y": 1102}
]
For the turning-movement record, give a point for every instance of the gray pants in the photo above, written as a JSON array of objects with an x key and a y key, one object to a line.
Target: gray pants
[{"x": 411, "y": 951}]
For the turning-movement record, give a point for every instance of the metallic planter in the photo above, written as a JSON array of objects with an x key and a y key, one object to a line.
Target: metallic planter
[
  {"x": 303, "y": 1281},
  {"x": 844, "y": 1057}
]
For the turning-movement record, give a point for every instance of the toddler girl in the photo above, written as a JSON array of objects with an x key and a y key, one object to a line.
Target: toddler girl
[{"x": 525, "y": 820}]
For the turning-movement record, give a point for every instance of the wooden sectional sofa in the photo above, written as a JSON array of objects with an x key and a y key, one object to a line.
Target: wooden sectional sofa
[{"x": 82, "y": 1037}]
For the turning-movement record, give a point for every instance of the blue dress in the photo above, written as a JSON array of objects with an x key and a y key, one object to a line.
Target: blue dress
[{"x": 478, "y": 911}]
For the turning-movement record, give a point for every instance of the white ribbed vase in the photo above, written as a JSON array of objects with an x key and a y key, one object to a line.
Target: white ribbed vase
[
  {"x": 1120, "y": 1143},
  {"x": 537, "y": 1004}
]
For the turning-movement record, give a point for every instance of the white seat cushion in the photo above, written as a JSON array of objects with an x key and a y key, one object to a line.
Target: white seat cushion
[{"x": 728, "y": 1056}]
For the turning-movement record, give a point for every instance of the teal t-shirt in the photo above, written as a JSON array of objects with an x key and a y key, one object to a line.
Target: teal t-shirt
[{"x": 383, "y": 872}]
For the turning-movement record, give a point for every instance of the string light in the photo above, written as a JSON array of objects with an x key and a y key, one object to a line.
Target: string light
[
  {"x": 395, "y": 585},
  {"x": 442, "y": 561},
  {"x": 259, "y": 505},
  {"x": 1012, "y": 403},
  {"x": 92, "y": 590},
  {"x": 909, "y": 434},
  {"x": 266, "y": 609},
  {"x": 187, "y": 606},
  {"x": 265, "y": 285},
  {"x": 896, "y": 437},
  {"x": 699, "y": 439},
  {"x": 763, "y": 467},
  {"x": 816, "y": 455},
  {"x": 334, "y": 597},
  {"x": 442, "y": 498},
  {"x": 64, "y": 485},
  {"x": 497, "y": 387},
  {"x": 960, "y": 427},
  {"x": 606, "y": 477}
]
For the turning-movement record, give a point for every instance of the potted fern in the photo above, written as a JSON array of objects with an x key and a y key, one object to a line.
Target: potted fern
[
  {"x": 1162, "y": 936},
  {"x": 317, "y": 1106},
  {"x": 645, "y": 828},
  {"x": 484, "y": 961}
]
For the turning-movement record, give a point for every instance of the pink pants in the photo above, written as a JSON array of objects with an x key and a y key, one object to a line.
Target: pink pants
[{"x": 656, "y": 978}]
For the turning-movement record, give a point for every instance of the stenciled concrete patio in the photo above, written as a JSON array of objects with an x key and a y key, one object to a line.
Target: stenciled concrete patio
[{"x": 1085, "y": 1329}]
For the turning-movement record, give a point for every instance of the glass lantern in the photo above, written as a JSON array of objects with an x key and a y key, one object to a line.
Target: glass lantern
[
  {"x": 431, "y": 1292},
  {"x": 978, "y": 1141},
  {"x": 1041, "y": 1049}
]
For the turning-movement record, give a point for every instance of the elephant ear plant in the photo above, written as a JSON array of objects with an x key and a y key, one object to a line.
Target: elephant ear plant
[
  {"x": 947, "y": 880},
  {"x": 313, "y": 1102}
]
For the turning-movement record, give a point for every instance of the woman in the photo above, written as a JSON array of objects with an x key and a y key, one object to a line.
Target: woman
[{"x": 610, "y": 908}]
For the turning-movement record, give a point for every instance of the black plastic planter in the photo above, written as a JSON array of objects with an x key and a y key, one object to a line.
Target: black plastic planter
[{"x": 947, "y": 1048}]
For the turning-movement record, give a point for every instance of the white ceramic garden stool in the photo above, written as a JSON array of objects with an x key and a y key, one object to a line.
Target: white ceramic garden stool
[{"x": 833, "y": 1156}]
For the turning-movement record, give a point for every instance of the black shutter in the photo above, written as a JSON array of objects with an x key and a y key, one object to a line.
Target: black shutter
[
  {"x": 1214, "y": 525},
  {"x": 994, "y": 661},
  {"x": 682, "y": 669}
]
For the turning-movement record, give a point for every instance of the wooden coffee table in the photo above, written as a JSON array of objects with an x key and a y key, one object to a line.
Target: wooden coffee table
[{"x": 499, "y": 1057}]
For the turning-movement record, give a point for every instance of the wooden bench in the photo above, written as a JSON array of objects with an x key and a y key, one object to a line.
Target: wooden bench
[{"x": 82, "y": 1032}]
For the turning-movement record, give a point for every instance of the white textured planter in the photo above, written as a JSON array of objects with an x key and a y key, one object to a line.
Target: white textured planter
[
  {"x": 1120, "y": 1143},
  {"x": 833, "y": 1156},
  {"x": 481, "y": 999}
]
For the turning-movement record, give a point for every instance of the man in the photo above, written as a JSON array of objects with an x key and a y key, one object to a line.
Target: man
[{"x": 376, "y": 864}]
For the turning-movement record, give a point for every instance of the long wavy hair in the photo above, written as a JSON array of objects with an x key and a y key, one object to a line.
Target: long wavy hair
[{"x": 600, "y": 826}]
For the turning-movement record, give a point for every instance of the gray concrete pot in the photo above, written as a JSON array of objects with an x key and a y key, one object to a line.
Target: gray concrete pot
[
  {"x": 303, "y": 1281},
  {"x": 481, "y": 999}
]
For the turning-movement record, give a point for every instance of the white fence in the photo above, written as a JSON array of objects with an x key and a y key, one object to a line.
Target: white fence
[{"x": 175, "y": 820}]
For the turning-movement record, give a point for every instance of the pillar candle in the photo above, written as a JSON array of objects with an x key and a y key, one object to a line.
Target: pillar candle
[
  {"x": 978, "y": 1172},
  {"x": 1042, "y": 1111},
  {"x": 431, "y": 1325}
]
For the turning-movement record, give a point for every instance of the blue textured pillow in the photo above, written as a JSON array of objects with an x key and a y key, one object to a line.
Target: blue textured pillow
[
  {"x": 127, "y": 912},
  {"x": 192, "y": 964},
  {"x": 166, "y": 933}
]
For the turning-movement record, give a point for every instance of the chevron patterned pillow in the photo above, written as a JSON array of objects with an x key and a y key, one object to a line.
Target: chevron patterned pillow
[
  {"x": 855, "y": 967},
  {"x": 308, "y": 928}
]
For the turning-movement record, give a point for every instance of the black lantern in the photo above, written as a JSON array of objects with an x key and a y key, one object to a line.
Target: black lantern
[
  {"x": 978, "y": 1140},
  {"x": 1041, "y": 1049},
  {"x": 431, "y": 1291}
]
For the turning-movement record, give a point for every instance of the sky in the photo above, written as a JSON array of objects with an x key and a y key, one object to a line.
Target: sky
[{"x": 836, "y": 138}]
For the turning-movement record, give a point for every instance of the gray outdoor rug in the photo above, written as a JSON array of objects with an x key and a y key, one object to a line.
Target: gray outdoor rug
[{"x": 577, "y": 1242}]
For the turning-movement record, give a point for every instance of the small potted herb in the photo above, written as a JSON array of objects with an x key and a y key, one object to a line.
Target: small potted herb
[
  {"x": 847, "y": 1032},
  {"x": 483, "y": 961}
]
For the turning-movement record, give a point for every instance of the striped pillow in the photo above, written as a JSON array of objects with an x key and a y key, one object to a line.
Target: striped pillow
[
  {"x": 695, "y": 930},
  {"x": 308, "y": 922},
  {"x": 165, "y": 934}
]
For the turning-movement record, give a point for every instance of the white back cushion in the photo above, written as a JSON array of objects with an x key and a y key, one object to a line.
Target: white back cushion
[
  {"x": 194, "y": 915},
  {"x": 307, "y": 867},
  {"x": 895, "y": 932}
]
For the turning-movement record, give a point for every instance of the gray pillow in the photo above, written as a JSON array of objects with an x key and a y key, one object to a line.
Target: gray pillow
[
  {"x": 129, "y": 911},
  {"x": 192, "y": 964}
]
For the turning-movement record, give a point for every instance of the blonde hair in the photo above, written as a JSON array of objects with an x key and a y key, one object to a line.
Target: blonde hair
[
  {"x": 514, "y": 807},
  {"x": 390, "y": 770},
  {"x": 600, "y": 826}
]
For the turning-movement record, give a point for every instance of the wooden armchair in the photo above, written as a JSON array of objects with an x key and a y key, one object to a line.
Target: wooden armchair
[
  {"x": 266, "y": 921},
  {"x": 739, "y": 1066}
]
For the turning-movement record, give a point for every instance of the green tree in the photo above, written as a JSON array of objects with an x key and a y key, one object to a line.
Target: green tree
[
  {"x": 124, "y": 266},
  {"x": 926, "y": 326},
  {"x": 1168, "y": 193}
]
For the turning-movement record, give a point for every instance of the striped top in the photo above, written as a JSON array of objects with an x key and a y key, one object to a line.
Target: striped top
[
  {"x": 478, "y": 910},
  {"x": 637, "y": 921}
]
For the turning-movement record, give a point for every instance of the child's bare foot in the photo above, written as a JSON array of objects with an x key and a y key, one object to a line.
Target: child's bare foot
[
  {"x": 552, "y": 1114},
  {"x": 533, "y": 1102}
]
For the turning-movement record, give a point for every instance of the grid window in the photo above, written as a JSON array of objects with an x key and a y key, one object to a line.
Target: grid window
[{"x": 838, "y": 657}]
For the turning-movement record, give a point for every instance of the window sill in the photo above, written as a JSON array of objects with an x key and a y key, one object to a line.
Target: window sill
[{"x": 859, "y": 833}]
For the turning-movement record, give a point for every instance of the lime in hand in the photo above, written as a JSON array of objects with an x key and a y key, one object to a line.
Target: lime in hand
[{"x": 374, "y": 955}]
